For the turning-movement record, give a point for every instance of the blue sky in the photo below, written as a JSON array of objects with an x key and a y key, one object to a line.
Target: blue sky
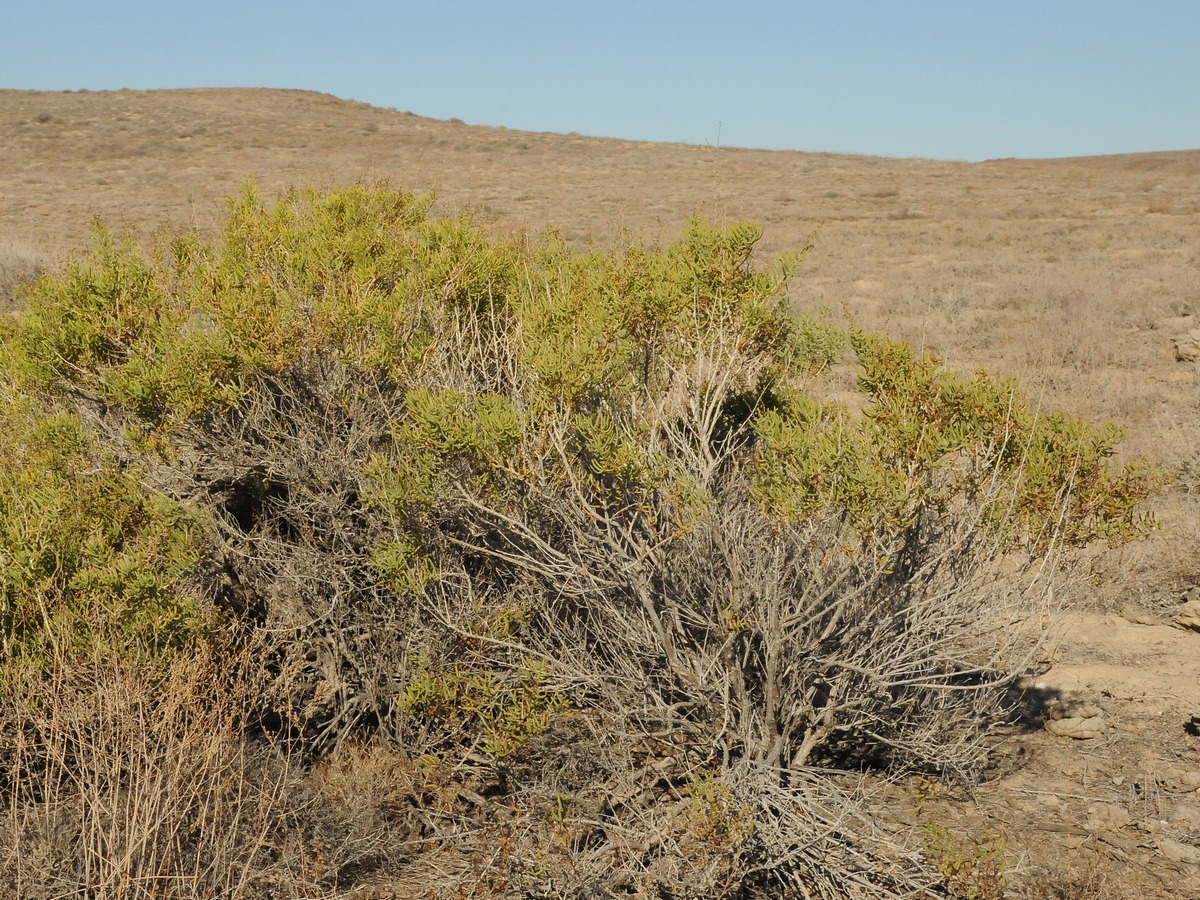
[{"x": 949, "y": 80}]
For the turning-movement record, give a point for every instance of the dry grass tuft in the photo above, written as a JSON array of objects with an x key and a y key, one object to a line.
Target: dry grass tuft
[
  {"x": 20, "y": 264},
  {"x": 126, "y": 782}
]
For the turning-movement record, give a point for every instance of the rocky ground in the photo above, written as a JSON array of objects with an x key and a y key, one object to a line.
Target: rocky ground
[{"x": 1096, "y": 792}]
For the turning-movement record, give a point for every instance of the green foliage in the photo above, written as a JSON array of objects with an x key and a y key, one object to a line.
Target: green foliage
[
  {"x": 950, "y": 433},
  {"x": 609, "y": 327},
  {"x": 88, "y": 558},
  {"x": 448, "y": 424},
  {"x": 817, "y": 343},
  {"x": 810, "y": 459},
  {"x": 928, "y": 436},
  {"x": 364, "y": 274},
  {"x": 971, "y": 868},
  {"x": 716, "y": 816},
  {"x": 479, "y": 709},
  {"x": 402, "y": 566},
  {"x": 359, "y": 273}
]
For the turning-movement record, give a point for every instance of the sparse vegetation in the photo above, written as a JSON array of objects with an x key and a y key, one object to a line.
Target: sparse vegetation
[
  {"x": 568, "y": 533},
  {"x": 20, "y": 265}
]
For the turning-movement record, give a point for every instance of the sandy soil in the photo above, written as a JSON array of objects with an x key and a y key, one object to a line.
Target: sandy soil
[{"x": 1105, "y": 810}]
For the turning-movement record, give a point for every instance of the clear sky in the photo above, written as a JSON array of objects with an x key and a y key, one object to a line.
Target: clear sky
[{"x": 948, "y": 79}]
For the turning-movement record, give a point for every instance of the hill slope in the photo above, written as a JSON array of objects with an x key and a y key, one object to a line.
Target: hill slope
[{"x": 1017, "y": 263}]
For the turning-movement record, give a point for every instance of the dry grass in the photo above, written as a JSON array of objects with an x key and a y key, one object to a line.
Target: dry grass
[{"x": 126, "y": 783}]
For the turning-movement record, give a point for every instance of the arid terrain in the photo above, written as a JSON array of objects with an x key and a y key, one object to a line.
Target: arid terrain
[{"x": 1080, "y": 277}]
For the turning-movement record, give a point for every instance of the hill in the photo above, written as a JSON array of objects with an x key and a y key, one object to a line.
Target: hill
[{"x": 1071, "y": 271}]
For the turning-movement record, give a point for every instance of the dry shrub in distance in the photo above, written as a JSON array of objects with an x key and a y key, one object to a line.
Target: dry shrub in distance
[
  {"x": 20, "y": 266},
  {"x": 570, "y": 535}
]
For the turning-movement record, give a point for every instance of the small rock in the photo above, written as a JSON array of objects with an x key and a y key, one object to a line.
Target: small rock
[
  {"x": 1076, "y": 719},
  {"x": 1176, "y": 781},
  {"x": 1178, "y": 852},
  {"x": 1106, "y": 817},
  {"x": 1189, "y": 615},
  {"x": 1118, "y": 780},
  {"x": 1079, "y": 729},
  {"x": 1187, "y": 346},
  {"x": 1074, "y": 709},
  {"x": 1133, "y": 613},
  {"x": 1185, "y": 814}
]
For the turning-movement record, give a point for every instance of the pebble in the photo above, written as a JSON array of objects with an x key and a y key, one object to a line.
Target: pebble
[
  {"x": 1138, "y": 616},
  {"x": 1178, "y": 852},
  {"x": 1074, "y": 709},
  {"x": 1078, "y": 729},
  {"x": 1185, "y": 814},
  {"x": 1189, "y": 615},
  {"x": 1106, "y": 817},
  {"x": 1177, "y": 781},
  {"x": 1077, "y": 719}
]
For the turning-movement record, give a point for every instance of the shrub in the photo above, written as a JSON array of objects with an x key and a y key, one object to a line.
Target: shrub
[
  {"x": 87, "y": 555},
  {"x": 498, "y": 503}
]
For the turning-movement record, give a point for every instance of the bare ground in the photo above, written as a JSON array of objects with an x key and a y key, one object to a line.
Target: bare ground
[
  {"x": 1104, "y": 811},
  {"x": 1074, "y": 275}
]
